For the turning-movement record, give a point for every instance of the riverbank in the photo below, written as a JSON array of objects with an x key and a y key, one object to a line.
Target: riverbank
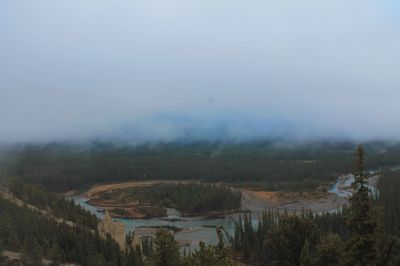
[
  {"x": 96, "y": 190},
  {"x": 257, "y": 201},
  {"x": 254, "y": 201}
]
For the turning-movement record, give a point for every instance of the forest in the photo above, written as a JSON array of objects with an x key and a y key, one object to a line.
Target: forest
[
  {"x": 37, "y": 237},
  {"x": 270, "y": 164},
  {"x": 58, "y": 204},
  {"x": 189, "y": 198},
  {"x": 389, "y": 200},
  {"x": 366, "y": 232}
]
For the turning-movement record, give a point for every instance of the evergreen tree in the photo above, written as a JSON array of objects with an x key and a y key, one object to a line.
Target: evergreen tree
[
  {"x": 330, "y": 250},
  {"x": 1, "y": 252},
  {"x": 147, "y": 246},
  {"x": 362, "y": 246},
  {"x": 219, "y": 255},
  {"x": 203, "y": 256},
  {"x": 98, "y": 260},
  {"x": 31, "y": 253},
  {"x": 56, "y": 254},
  {"x": 307, "y": 257},
  {"x": 294, "y": 239},
  {"x": 166, "y": 249}
]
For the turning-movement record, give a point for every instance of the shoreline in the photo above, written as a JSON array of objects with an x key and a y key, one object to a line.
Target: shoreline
[{"x": 253, "y": 201}]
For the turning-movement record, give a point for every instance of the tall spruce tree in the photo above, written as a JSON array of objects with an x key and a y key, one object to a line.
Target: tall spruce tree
[
  {"x": 330, "y": 250},
  {"x": 293, "y": 240},
  {"x": 362, "y": 222},
  {"x": 166, "y": 250},
  {"x": 1, "y": 252}
]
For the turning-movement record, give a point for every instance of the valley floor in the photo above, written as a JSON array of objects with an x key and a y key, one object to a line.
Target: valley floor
[{"x": 255, "y": 201}]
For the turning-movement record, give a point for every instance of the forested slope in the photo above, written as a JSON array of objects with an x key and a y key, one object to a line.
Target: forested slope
[{"x": 37, "y": 235}]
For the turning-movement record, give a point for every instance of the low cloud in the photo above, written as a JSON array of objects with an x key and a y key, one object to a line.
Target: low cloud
[{"x": 196, "y": 70}]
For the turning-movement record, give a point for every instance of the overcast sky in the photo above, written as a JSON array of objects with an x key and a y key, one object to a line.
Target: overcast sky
[{"x": 171, "y": 69}]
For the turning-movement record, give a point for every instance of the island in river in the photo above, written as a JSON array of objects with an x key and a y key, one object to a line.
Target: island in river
[{"x": 151, "y": 200}]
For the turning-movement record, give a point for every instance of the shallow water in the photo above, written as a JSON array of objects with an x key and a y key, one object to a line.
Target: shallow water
[
  {"x": 196, "y": 229},
  {"x": 339, "y": 188}
]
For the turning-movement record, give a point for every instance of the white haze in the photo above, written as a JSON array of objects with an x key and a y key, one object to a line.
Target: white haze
[{"x": 143, "y": 70}]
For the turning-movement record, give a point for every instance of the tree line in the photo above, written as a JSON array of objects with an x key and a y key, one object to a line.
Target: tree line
[
  {"x": 189, "y": 198},
  {"x": 62, "y": 167}
]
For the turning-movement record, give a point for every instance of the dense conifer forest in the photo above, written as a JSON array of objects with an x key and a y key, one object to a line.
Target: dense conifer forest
[
  {"x": 270, "y": 165},
  {"x": 37, "y": 237},
  {"x": 189, "y": 198},
  {"x": 389, "y": 200},
  {"x": 58, "y": 204},
  {"x": 364, "y": 233}
]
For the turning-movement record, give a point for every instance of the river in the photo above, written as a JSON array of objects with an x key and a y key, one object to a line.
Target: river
[
  {"x": 196, "y": 229},
  {"x": 342, "y": 187}
]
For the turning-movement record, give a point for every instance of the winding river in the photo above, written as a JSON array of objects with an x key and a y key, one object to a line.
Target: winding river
[{"x": 196, "y": 229}]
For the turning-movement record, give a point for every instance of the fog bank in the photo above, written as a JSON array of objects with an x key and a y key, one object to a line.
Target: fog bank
[{"x": 199, "y": 70}]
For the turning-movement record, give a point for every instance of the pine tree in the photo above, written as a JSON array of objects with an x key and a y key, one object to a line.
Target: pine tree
[
  {"x": 219, "y": 255},
  {"x": 222, "y": 252},
  {"x": 203, "y": 256},
  {"x": 166, "y": 249},
  {"x": 31, "y": 252},
  {"x": 306, "y": 256},
  {"x": 147, "y": 246},
  {"x": 330, "y": 250},
  {"x": 98, "y": 260},
  {"x": 56, "y": 254},
  {"x": 362, "y": 221},
  {"x": 1, "y": 251},
  {"x": 293, "y": 241},
  {"x": 248, "y": 236}
]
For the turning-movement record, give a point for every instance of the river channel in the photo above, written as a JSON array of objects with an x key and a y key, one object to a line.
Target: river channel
[{"x": 196, "y": 229}]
